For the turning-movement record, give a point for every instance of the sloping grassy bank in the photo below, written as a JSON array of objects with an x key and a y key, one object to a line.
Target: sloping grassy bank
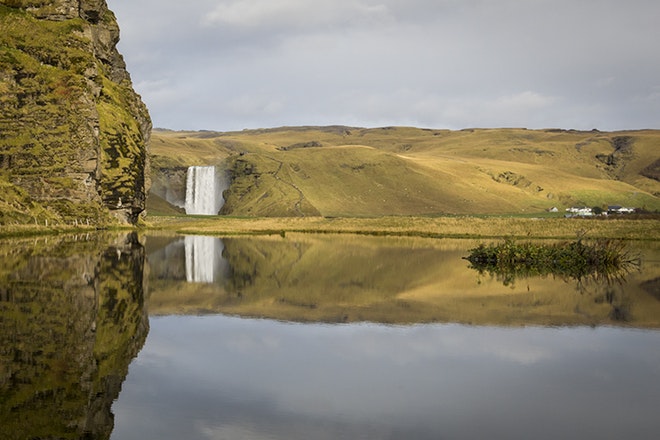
[
  {"x": 440, "y": 227},
  {"x": 431, "y": 227},
  {"x": 400, "y": 171}
]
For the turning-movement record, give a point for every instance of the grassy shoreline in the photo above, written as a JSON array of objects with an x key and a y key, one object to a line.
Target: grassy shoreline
[{"x": 431, "y": 227}]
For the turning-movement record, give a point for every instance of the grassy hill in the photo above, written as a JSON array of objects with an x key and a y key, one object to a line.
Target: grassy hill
[{"x": 346, "y": 171}]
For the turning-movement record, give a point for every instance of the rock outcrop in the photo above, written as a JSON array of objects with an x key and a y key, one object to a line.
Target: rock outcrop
[{"x": 73, "y": 132}]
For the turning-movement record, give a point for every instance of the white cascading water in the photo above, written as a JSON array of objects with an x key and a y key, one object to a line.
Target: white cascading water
[
  {"x": 203, "y": 191},
  {"x": 204, "y": 262}
]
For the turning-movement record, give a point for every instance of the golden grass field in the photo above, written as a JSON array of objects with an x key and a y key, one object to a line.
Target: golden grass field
[
  {"x": 408, "y": 181},
  {"x": 404, "y": 226},
  {"x": 438, "y": 227},
  {"x": 355, "y": 172},
  {"x": 416, "y": 182}
]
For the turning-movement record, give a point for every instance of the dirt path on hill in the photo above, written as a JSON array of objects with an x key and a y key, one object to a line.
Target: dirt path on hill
[{"x": 301, "y": 195}]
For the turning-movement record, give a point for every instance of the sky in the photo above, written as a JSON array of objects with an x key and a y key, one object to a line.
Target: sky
[{"x": 229, "y": 65}]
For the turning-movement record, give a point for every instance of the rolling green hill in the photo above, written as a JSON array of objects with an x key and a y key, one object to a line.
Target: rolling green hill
[{"x": 346, "y": 171}]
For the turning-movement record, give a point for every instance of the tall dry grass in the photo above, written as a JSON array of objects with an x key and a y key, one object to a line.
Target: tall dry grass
[{"x": 450, "y": 227}]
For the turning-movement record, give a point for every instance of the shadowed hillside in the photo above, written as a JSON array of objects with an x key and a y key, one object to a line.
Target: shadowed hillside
[{"x": 346, "y": 171}]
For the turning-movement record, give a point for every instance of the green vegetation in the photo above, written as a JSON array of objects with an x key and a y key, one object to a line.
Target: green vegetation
[
  {"x": 430, "y": 227},
  {"x": 123, "y": 156},
  {"x": 43, "y": 114},
  {"x": 72, "y": 131},
  {"x": 606, "y": 260}
]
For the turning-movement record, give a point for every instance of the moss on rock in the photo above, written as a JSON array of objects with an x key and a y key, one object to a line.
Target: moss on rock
[{"x": 73, "y": 133}]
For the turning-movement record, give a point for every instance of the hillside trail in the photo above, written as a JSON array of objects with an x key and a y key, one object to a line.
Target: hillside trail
[{"x": 301, "y": 195}]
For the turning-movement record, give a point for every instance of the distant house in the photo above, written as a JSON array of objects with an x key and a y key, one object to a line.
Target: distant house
[
  {"x": 616, "y": 209},
  {"x": 579, "y": 211}
]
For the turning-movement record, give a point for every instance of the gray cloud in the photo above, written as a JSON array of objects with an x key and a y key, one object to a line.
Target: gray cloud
[{"x": 233, "y": 64}]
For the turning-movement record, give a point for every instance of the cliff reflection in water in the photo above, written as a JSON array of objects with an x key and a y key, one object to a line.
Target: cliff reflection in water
[
  {"x": 326, "y": 278},
  {"x": 71, "y": 321}
]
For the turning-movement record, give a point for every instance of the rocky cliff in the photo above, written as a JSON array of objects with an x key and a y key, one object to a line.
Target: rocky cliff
[{"x": 73, "y": 132}]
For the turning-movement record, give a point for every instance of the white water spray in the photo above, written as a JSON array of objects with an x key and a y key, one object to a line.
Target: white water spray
[{"x": 203, "y": 191}]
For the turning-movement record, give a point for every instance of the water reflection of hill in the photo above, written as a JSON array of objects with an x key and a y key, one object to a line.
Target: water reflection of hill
[
  {"x": 71, "y": 320},
  {"x": 338, "y": 278}
]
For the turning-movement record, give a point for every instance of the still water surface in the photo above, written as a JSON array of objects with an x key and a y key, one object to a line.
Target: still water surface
[
  {"x": 315, "y": 337},
  {"x": 222, "y": 377}
]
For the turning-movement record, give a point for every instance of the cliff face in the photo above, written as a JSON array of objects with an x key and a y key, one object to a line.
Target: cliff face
[{"x": 73, "y": 132}]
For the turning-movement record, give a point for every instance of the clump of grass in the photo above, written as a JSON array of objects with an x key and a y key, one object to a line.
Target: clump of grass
[{"x": 601, "y": 260}]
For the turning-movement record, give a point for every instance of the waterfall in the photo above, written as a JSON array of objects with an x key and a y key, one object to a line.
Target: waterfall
[
  {"x": 203, "y": 191},
  {"x": 204, "y": 262}
]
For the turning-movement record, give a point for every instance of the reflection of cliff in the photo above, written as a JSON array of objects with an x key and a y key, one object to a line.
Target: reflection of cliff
[{"x": 71, "y": 320}]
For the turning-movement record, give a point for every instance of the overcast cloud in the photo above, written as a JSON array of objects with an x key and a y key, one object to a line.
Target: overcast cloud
[{"x": 234, "y": 64}]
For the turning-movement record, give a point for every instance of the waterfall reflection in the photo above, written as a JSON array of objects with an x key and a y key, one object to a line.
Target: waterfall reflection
[
  {"x": 194, "y": 259},
  {"x": 204, "y": 262}
]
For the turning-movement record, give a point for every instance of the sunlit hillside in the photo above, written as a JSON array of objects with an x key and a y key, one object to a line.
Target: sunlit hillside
[{"x": 345, "y": 171}]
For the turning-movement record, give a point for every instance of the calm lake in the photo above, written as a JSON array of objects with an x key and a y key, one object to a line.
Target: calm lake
[{"x": 317, "y": 337}]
